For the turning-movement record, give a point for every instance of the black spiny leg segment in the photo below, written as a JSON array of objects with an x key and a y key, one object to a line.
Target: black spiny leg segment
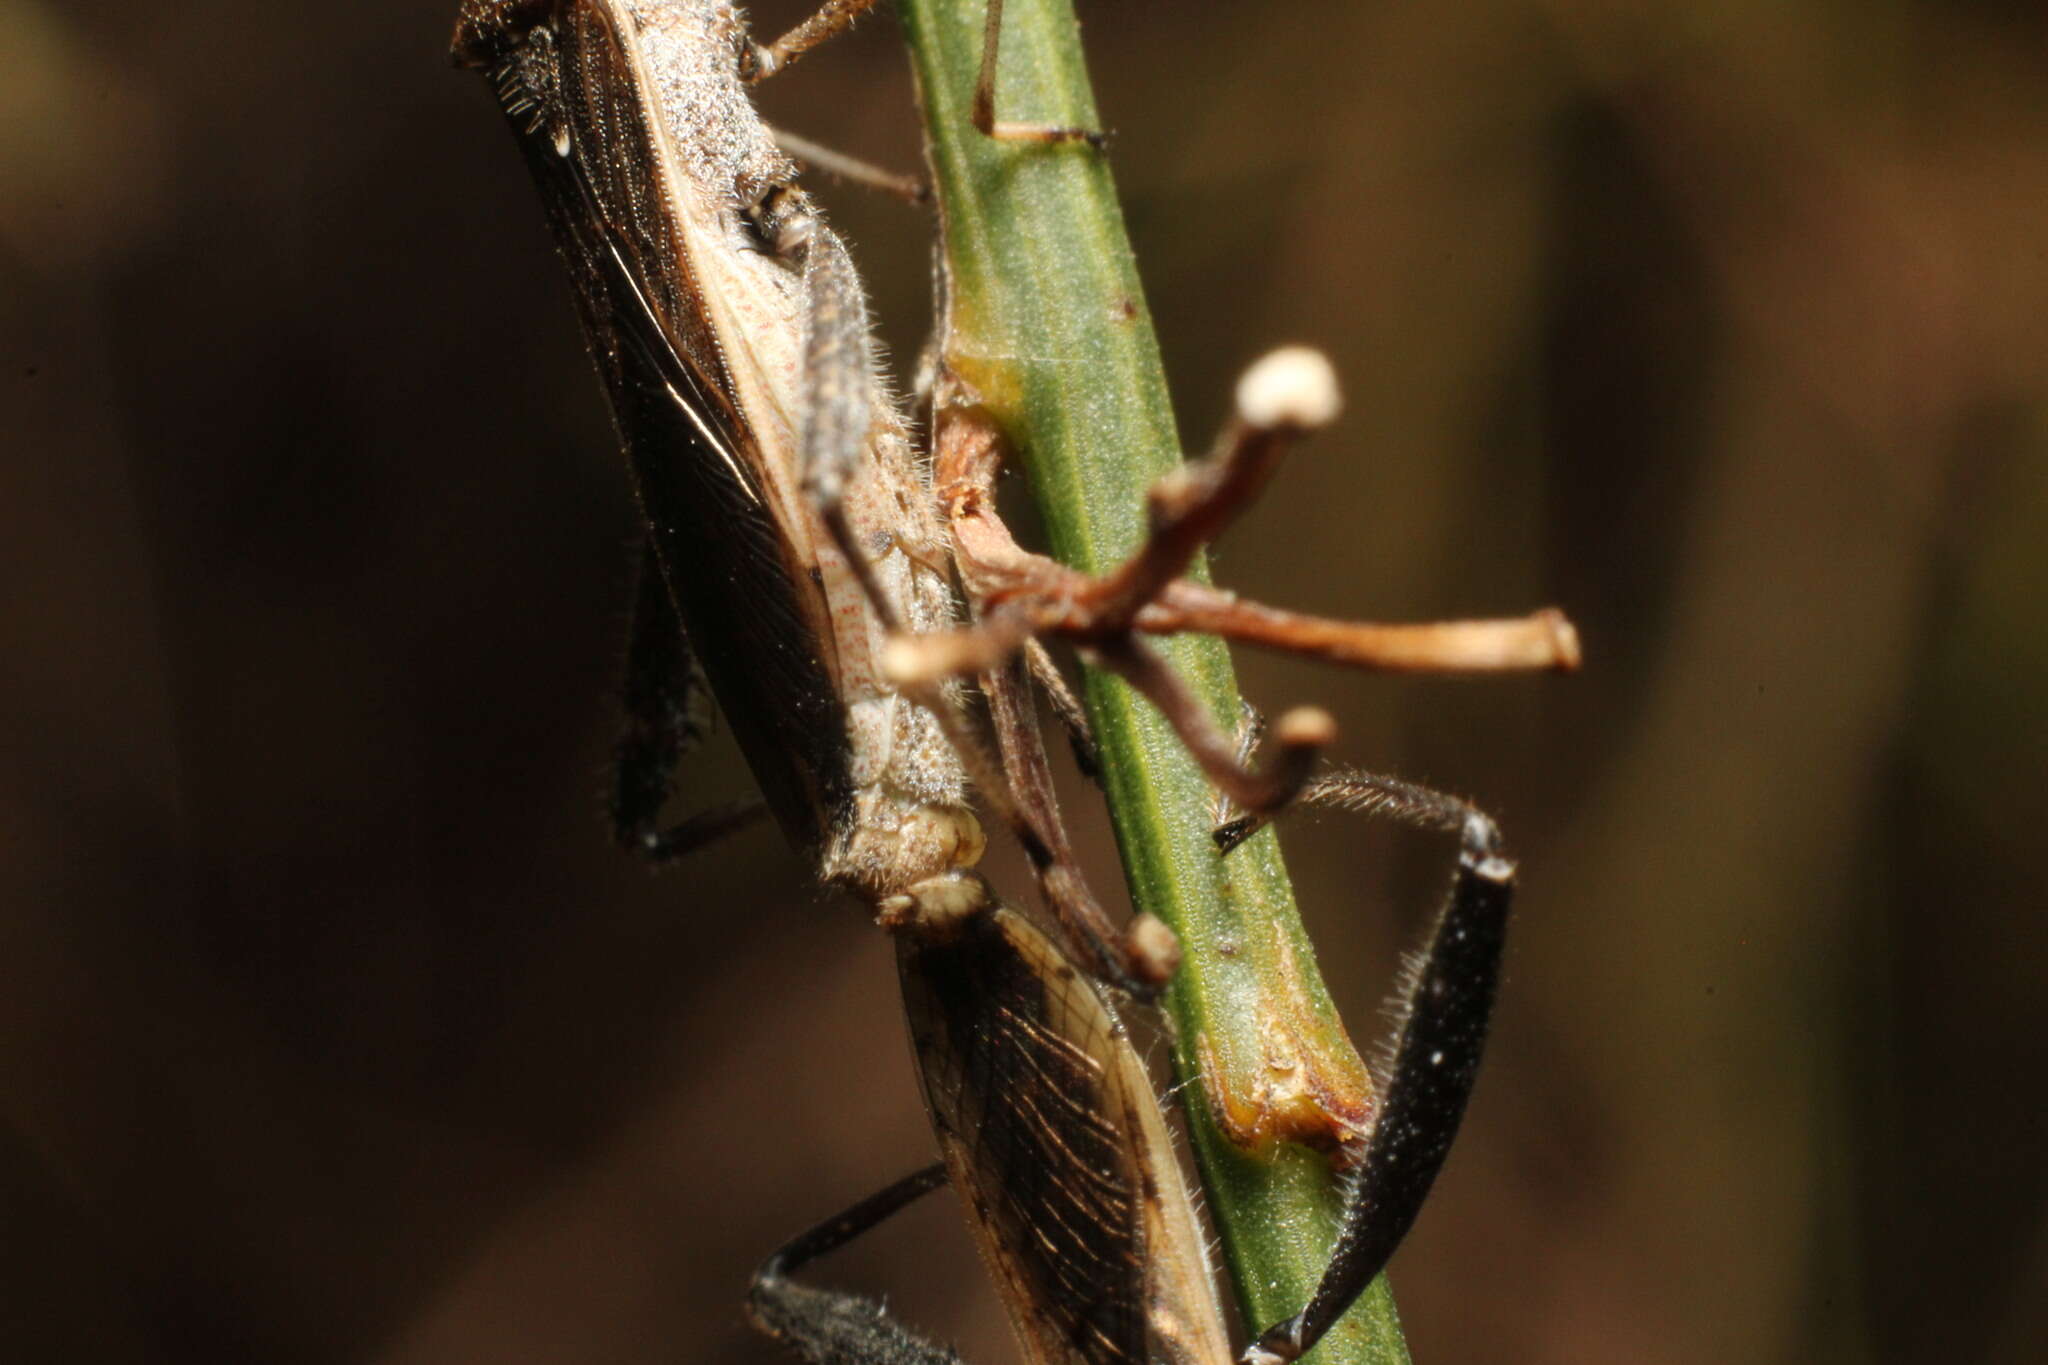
[
  {"x": 1445, "y": 1009},
  {"x": 831, "y": 1327},
  {"x": 667, "y": 709}
]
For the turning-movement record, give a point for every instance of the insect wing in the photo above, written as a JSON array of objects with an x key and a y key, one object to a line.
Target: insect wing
[
  {"x": 1055, "y": 1144},
  {"x": 577, "y": 85}
]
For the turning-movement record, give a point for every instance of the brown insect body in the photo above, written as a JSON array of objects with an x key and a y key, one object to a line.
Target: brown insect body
[
  {"x": 664, "y": 190},
  {"x": 708, "y": 289},
  {"x": 798, "y": 536}
]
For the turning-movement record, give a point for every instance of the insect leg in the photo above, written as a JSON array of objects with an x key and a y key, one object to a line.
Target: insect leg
[
  {"x": 1251, "y": 732},
  {"x": 836, "y": 16},
  {"x": 1066, "y": 707},
  {"x": 839, "y": 422},
  {"x": 1444, "y": 1006},
  {"x": 1140, "y": 957},
  {"x": 984, "y": 107},
  {"x": 832, "y": 18},
  {"x": 839, "y": 386},
  {"x": 832, "y": 1327},
  {"x": 852, "y": 168},
  {"x": 667, "y": 703}
]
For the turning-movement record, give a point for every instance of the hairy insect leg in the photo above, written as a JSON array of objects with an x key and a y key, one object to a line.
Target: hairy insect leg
[
  {"x": 1251, "y": 732},
  {"x": 830, "y": 20},
  {"x": 836, "y": 16},
  {"x": 852, "y": 168},
  {"x": 1444, "y": 1007},
  {"x": 983, "y": 111},
  {"x": 837, "y": 382},
  {"x": 838, "y": 424},
  {"x": 833, "y": 1327},
  {"x": 1140, "y": 957},
  {"x": 1066, "y": 707},
  {"x": 668, "y": 710},
  {"x": 1339, "y": 789}
]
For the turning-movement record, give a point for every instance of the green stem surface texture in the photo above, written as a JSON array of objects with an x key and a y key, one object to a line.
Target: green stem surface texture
[{"x": 1049, "y": 325}]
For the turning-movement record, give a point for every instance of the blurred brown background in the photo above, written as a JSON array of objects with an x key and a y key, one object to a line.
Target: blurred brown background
[{"x": 333, "y": 1029}]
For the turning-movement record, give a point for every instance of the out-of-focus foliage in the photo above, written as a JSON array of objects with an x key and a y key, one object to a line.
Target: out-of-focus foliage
[{"x": 332, "y": 1026}]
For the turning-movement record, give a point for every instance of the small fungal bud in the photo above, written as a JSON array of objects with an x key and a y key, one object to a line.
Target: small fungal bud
[
  {"x": 1564, "y": 639},
  {"x": 1305, "y": 727},
  {"x": 1291, "y": 387},
  {"x": 1153, "y": 949}
]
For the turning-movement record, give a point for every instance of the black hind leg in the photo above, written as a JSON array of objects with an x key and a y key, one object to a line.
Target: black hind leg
[
  {"x": 1445, "y": 1005},
  {"x": 831, "y": 1327}
]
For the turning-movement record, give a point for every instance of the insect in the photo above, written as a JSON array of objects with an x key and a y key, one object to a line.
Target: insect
[
  {"x": 1050, "y": 1132},
  {"x": 790, "y": 524},
  {"x": 799, "y": 559},
  {"x": 1043, "y": 1109}
]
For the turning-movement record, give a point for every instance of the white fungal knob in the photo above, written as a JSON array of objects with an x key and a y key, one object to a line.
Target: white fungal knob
[{"x": 1291, "y": 387}]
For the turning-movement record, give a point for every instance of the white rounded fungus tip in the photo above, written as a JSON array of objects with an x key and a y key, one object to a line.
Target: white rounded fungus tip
[
  {"x": 1294, "y": 386},
  {"x": 1306, "y": 727}
]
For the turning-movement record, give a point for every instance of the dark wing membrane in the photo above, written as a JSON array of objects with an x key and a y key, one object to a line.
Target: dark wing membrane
[
  {"x": 614, "y": 157},
  {"x": 725, "y": 561},
  {"x": 1021, "y": 1067}
]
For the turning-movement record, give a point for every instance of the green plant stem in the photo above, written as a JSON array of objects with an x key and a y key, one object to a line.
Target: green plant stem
[{"x": 1049, "y": 326}]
